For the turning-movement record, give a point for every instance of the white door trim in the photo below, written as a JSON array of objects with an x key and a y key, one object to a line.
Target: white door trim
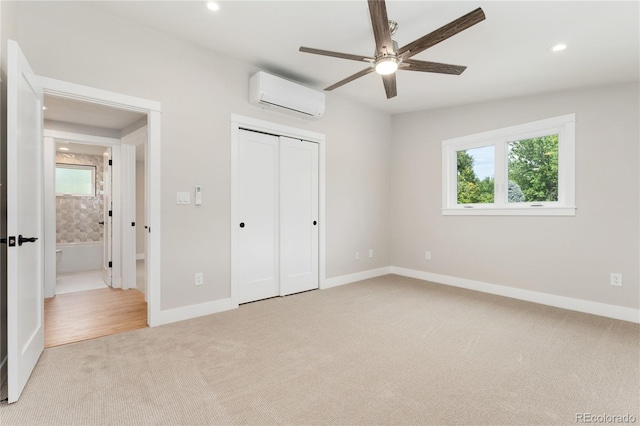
[
  {"x": 63, "y": 89},
  {"x": 49, "y": 202},
  {"x": 81, "y": 138},
  {"x": 241, "y": 122},
  {"x": 128, "y": 214}
]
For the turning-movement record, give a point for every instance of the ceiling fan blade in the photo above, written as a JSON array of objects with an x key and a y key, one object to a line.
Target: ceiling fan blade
[
  {"x": 337, "y": 54},
  {"x": 442, "y": 33},
  {"x": 424, "y": 66},
  {"x": 350, "y": 78},
  {"x": 389, "y": 81},
  {"x": 380, "y": 23}
]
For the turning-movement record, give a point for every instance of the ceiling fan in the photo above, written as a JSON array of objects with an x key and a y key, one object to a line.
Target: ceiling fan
[{"x": 389, "y": 58}]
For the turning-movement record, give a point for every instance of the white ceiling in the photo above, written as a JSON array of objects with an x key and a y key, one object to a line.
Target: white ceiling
[{"x": 507, "y": 54}]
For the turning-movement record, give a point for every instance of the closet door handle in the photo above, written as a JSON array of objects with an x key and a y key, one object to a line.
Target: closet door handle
[
  {"x": 241, "y": 224},
  {"x": 315, "y": 223},
  {"x": 101, "y": 222}
]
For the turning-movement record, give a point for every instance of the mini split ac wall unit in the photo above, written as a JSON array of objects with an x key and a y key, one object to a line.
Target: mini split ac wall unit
[{"x": 271, "y": 92}]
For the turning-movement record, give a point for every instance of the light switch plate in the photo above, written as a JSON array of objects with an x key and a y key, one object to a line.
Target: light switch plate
[{"x": 184, "y": 198}]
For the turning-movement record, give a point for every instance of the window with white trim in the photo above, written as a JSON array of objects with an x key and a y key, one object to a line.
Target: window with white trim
[
  {"x": 528, "y": 169},
  {"x": 76, "y": 180}
]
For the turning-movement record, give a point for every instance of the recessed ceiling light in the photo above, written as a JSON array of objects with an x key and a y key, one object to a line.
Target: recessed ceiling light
[
  {"x": 63, "y": 148},
  {"x": 558, "y": 47},
  {"x": 213, "y": 6}
]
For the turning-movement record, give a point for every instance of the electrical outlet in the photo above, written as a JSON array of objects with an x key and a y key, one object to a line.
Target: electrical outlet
[
  {"x": 616, "y": 279},
  {"x": 357, "y": 255},
  {"x": 199, "y": 278},
  {"x": 370, "y": 252},
  {"x": 427, "y": 255}
]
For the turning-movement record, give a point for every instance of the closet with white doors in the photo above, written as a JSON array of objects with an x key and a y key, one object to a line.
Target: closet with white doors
[{"x": 277, "y": 214}]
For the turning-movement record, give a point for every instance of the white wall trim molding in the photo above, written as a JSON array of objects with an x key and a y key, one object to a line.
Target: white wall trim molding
[
  {"x": 139, "y": 256},
  {"x": 81, "y": 138},
  {"x": 68, "y": 90},
  {"x": 579, "y": 305},
  {"x": 193, "y": 311},
  {"x": 251, "y": 123},
  {"x": 356, "y": 276}
]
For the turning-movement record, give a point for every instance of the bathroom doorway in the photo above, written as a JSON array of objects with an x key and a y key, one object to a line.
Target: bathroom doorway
[
  {"x": 92, "y": 286},
  {"x": 83, "y": 185}
]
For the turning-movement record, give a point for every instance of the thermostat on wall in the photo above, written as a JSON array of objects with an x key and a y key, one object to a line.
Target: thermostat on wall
[{"x": 198, "y": 195}]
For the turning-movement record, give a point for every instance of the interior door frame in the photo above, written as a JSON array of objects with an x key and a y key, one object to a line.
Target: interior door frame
[
  {"x": 50, "y": 137},
  {"x": 153, "y": 110},
  {"x": 128, "y": 144},
  {"x": 239, "y": 122}
]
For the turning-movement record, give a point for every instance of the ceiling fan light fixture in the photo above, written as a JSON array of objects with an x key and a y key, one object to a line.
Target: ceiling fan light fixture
[{"x": 387, "y": 65}]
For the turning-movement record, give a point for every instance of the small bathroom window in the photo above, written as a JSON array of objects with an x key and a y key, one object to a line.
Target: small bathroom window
[{"x": 76, "y": 180}]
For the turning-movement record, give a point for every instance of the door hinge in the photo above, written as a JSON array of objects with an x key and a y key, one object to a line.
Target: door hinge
[
  {"x": 12, "y": 241},
  {"x": 133, "y": 224},
  {"x": 110, "y": 162},
  {"x": 110, "y": 213},
  {"x": 110, "y": 264}
]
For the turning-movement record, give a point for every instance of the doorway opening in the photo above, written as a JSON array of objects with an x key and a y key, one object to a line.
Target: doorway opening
[{"x": 95, "y": 277}]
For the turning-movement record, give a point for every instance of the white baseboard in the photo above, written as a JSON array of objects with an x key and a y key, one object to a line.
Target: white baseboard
[
  {"x": 194, "y": 311},
  {"x": 586, "y": 306},
  {"x": 579, "y": 305},
  {"x": 140, "y": 256},
  {"x": 357, "y": 276}
]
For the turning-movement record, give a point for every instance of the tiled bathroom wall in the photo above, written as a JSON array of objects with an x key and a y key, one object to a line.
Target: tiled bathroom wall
[{"x": 77, "y": 217}]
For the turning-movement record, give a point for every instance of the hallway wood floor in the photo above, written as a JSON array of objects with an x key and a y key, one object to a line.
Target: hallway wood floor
[{"x": 85, "y": 315}]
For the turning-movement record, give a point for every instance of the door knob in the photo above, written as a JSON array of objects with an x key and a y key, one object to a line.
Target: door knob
[
  {"x": 241, "y": 224},
  {"x": 22, "y": 240}
]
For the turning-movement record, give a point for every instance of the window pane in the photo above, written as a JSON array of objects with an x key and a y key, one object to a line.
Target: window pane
[
  {"x": 77, "y": 180},
  {"x": 475, "y": 175},
  {"x": 533, "y": 170}
]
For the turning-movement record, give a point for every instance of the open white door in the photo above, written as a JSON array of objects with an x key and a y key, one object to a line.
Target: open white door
[
  {"x": 25, "y": 264},
  {"x": 106, "y": 218}
]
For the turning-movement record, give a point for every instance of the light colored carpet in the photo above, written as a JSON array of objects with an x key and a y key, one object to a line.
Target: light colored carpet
[{"x": 389, "y": 350}]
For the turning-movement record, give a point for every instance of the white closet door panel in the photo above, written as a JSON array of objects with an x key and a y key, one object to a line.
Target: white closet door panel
[
  {"x": 258, "y": 216},
  {"x": 298, "y": 215}
]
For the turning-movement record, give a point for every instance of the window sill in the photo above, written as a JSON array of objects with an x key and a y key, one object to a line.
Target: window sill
[{"x": 509, "y": 211}]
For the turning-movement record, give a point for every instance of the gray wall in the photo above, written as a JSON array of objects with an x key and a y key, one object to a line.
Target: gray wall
[
  {"x": 566, "y": 256},
  {"x": 199, "y": 91}
]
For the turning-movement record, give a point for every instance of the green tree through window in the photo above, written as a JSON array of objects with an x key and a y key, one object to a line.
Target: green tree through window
[
  {"x": 470, "y": 188},
  {"x": 533, "y": 166}
]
